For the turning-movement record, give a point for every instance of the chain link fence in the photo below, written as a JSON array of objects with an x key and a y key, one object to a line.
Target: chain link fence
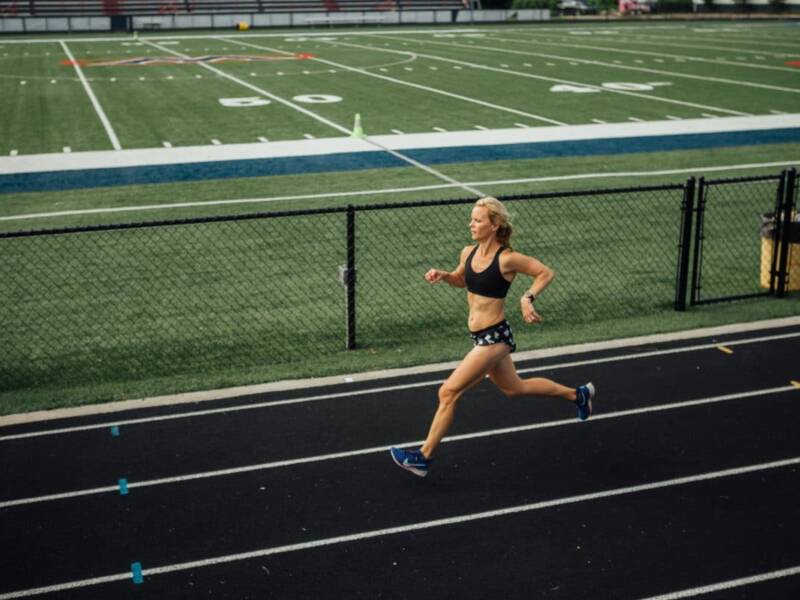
[
  {"x": 150, "y": 300},
  {"x": 738, "y": 221}
]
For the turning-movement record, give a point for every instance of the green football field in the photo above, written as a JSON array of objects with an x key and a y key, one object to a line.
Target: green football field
[
  {"x": 209, "y": 90},
  {"x": 185, "y": 316}
]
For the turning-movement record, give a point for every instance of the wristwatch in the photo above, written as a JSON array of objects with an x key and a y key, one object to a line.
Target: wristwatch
[{"x": 530, "y": 297}]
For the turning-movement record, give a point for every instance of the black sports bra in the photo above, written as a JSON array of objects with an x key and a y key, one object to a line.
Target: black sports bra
[{"x": 489, "y": 282}]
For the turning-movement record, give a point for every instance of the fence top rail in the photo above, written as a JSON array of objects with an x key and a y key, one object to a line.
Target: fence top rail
[
  {"x": 171, "y": 223},
  {"x": 750, "y": 179},
  {"x": 330, "y": 210},
  {"x": 529, "y": 196}
]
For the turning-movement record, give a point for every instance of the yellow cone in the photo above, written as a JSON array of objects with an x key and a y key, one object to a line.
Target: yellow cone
[{"x": 358, "y": 132}]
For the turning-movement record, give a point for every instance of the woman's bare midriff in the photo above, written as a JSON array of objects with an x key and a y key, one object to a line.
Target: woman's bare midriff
[{"x": 484, "y": 311}]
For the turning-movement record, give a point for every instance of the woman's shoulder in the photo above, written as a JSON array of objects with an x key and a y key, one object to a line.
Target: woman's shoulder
[{"x": 509, "y": 256}]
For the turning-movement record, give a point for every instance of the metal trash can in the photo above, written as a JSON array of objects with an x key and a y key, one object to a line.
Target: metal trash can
[{"x": 767, "y": 244}]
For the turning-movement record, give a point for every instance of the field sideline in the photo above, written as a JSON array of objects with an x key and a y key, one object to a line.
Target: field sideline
[
  {"x": 163, "y": 97},
  {"x": 103, "y": 130}
]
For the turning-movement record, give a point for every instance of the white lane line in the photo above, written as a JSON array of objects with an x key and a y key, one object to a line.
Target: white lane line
[
  {"x": 448, "y": 521},
  {"x": 421, "y": 188},
  {"x": 377, "y": 449},
  {"x": 95, "y": 102},
  {"x": 379, "y": 390},
  {"x": 543, "y": 78},
  {"x": 409, "y": 83},
  {"x": 728, "y": 585}
]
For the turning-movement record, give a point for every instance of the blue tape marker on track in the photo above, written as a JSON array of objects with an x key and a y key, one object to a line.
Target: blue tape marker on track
[
  {"x": 123, "y": 487},
  {"x": 136, "y": 571},
  {"x": 115, "y": 430}
]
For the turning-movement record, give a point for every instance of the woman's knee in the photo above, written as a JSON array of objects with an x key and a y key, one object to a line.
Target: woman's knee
[
  {"x": 510, "y": 390},
  {"x": 447, "y": 395}
]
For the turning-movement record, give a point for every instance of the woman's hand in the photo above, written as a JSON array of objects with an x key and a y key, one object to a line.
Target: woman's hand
[
  {"x": 529, "y": 314},
  {"x": 435, "y": 276}
]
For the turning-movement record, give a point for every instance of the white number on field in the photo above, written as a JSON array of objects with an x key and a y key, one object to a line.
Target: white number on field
[
  {"x": 623, "y": 86},
  {"x": 243, "y": 102},
  {"x": 317, "y": 99}
]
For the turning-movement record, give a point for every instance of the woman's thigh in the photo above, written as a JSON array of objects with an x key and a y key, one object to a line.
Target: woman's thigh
[
  {"x": 476, "y": 364},
  {"x": 504, "y": 376}
]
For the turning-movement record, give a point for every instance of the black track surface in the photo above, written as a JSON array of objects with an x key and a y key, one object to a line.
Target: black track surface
[{"x": 633, "y": 545}]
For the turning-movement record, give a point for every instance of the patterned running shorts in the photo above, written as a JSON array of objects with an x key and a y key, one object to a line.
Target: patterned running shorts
[{"x": 496, "y": 334}]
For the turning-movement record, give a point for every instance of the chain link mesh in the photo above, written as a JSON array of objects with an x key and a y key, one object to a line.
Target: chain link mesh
[
  {"x": 614, "y": 253},
  {"x": 121, "y": 303},
  {"x": 169, "y": 299},
  {"x": 735, "y": 238}
]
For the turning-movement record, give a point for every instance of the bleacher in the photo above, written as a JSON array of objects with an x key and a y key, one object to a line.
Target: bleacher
[{"x": 109, "y": 8}]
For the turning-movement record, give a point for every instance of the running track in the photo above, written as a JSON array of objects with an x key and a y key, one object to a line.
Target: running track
[{"x": 686, "y": 482}]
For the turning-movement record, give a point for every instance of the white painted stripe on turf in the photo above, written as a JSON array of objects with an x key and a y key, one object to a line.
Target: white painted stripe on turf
[
  {"x": 617, "y": 50},
  {"x": 257, "y": 89},
  {"x": 371, "y": 140},
  {"x": 377, "y": 449},
  {"x": 447, "y": 521},
  {"x": 543, "y": 78},
  {"x": 157, "y": 207},
  {"x": 112, "y": 136},
  {"x": 379, "y": 390},
  {"x": 413, "y": 85},
  {"x": 727, "y": 585},
  {"x": 35, "y": 163}
]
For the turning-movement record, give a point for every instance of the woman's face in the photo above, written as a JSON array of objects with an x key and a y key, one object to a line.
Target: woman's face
[{"x": 480, "y": 225}]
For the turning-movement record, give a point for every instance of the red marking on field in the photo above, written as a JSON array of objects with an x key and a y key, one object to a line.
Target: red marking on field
[
  {"x": 793, "y": 63},
  {"x": 143, "y": 61},
  {"x": 72, "y": 63}
]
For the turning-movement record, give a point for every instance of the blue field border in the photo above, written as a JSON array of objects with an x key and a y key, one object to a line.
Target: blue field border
[{"x": 357, "y": 161}]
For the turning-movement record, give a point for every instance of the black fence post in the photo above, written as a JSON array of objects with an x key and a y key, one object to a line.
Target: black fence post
[
  {"x": 785, "y": 226},
  {"x": 776, "y": 216},
  {"x": 350, "y": 277},
  {"x": 684, "y": 244},
  {"x": 697, "y": 265}
]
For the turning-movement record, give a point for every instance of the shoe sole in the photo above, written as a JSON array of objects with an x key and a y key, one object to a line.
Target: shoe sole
[{"x": 417, "y": 472}]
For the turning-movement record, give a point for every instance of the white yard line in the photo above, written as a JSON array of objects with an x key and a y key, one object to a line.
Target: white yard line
[
  {"x": 414, "y": 85},
  {"x": 404, "y": 190},
  {"x": 112, "y": 136},
  {"x": 629, "y": 42},
  {"x": 616, "y": 50},
  {"x": 255, "y": 88},
  {"x": 412, "y": 162},
  {"x": 418, "y": 526},
  {"x": 736, "y": 82},
  {"x": 543, "y": 78}
]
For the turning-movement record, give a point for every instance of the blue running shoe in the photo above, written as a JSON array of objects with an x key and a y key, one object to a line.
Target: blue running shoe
[
  {"x": 586, "y": 394},
  {"x": 411, "y": 460}
]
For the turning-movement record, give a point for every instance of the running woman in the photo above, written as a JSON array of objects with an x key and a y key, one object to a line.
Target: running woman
[{"x": 487, "y": 269}]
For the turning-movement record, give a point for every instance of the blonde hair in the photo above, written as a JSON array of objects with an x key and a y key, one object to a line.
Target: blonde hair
[{"x": 498, "y": 215}]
